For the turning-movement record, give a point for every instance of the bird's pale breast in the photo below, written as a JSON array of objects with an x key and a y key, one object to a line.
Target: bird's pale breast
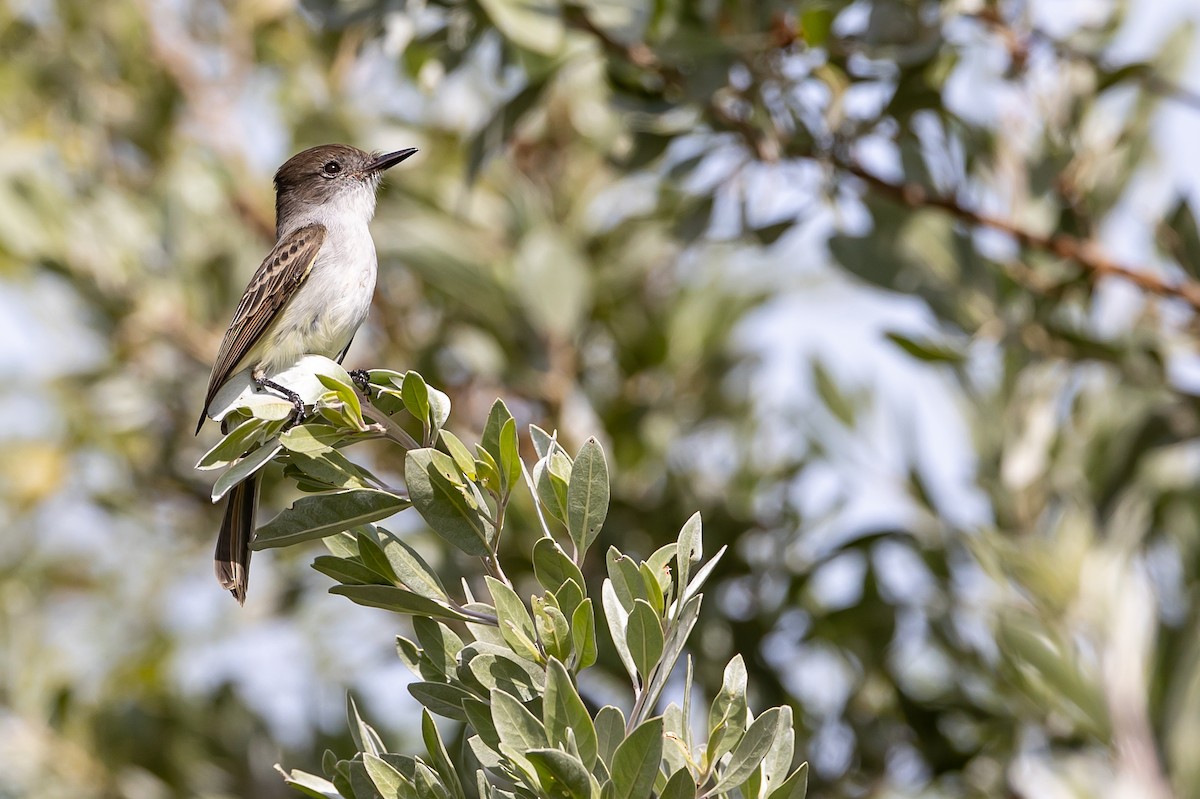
[{"x": 329, "y": 307}]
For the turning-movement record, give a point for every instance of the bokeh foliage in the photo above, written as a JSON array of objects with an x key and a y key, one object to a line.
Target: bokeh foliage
[{"x": 612, "y": 201}]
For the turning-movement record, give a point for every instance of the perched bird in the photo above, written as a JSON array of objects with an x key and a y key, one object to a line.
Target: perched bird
[{"x": 308, "y": 297}]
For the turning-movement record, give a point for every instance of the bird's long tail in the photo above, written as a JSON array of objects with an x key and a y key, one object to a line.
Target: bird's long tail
[{"x": 232, "y": 558}]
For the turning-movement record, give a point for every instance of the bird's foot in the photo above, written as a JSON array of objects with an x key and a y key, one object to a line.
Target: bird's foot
[
  {"x": 285, "y": 392},
  {"x": 362, "y": 379}
]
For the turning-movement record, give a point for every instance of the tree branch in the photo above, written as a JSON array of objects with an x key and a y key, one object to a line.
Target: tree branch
[
  {"x": 765, "y": 145},
  {"x": 1082, "y": 252}
]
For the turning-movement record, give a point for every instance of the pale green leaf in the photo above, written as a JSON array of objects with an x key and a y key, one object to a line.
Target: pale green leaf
[{"x": 587, "y": 496}]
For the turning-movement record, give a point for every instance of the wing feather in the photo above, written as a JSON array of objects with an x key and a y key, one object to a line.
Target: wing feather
[{"x": 281, "y": 273}]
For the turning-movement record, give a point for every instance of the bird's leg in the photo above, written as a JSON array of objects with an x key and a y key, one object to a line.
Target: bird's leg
[
  {"x": 262, "y": 382},
  {"x": 362, "y": 379},
  {"x": 359, "y": 376}
]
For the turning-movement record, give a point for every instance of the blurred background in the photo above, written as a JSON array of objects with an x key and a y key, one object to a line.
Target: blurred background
[{"x": 900, "y": 294}]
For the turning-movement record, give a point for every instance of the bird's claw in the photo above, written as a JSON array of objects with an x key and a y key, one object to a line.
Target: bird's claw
[
  {"x": 297, "y": 415},
  {"x": 362, "y": 379}
]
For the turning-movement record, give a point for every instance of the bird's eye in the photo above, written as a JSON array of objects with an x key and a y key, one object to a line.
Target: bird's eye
[{"x": 331, "y": 169}]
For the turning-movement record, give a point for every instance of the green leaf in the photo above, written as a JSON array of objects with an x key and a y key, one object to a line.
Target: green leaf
[
  {"x": 309, "y": 439},
  {"x": 498, "y": 416},
  {"x": 442, "y": 698},
  {"x": 626, "y": 578},
  {"x": 583, "y": 634},
  {"x": 365, "y": 738},
  {"x": 348, "y": 572},
  {"x": 388, "y": 781},
  {"x": 515, "y": 725},
  {"x": 653, "y": 588},
  {"x": 561, "y": 774},
  {"x": 415, "y": 394},
  {"x": 510, "y": 455},
  {"x": 610, "y": 731},
  {"x": 233, "y": 445},
  {"x": 543, "y": 442},
  {"x": 551, "y": 485},
  {"x": 488, "y": 666},
  {"x": 374, "y": 559},
  {"x": 815, "y": 24},
  {"x": 928, "y": 351},
  {"x": 659, "y": 565},
  {"x": 440, "y": 644},
  {"x": 439, "y": 407},
  {"x": 635, "y": 763},
  {"x": 677, "y": 636},
  {"x": 535, "y": 25},
  {"x": 410, "y": 568},
  {"x": 447, "y": 507},
  {"x": 552, "y": 567},
  {"x": 515, "y": 623},
  {"x": 727, "y": 715},
  {"x": 486, "y": 470},
  {"x": 479, "y": 716},
  {"x": 483, "y": 788},
  {"x": 794, "y": 787},
  {"x": 309, "y": 784},
  {"x": 587, "y": 496},
  {"x": 397, "y": 600},
  {"x": 681, "y": 785},
  {"x": 343, "y": 544},
  {"x": 244, "y": 468},
  {"x": 326, "y": 514},
  {"x": 645, "y": 638},
  {"x": 617, "y": 620},
  {"x": 563, "y": 710},
  {"x": 482, "y": 631},
  {"x": 330, "y": 469},
  {"x": 343, "y": 389},
  {"x": 428, "y": 785},
  {"x": 675, "y": 756},
  {"x": 750, "y": 751},
  {"x": 690, "y": 548},
  {"x": 410, "y": 655},
  {"x": 552, "y": 629},
  {"x": 462, "y": 456},
  {"x": 779, "y": 757},
  {"x": 439, "y": 757},
  {"x": 568, "y": 597}
]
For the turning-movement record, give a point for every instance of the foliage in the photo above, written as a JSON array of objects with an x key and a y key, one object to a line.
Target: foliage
[
  {"x": 506, "y": 669},
  {"x": 900, "y": 294}
]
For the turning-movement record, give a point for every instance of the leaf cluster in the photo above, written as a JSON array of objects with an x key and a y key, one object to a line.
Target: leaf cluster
[{"x": 502, "y": 664}]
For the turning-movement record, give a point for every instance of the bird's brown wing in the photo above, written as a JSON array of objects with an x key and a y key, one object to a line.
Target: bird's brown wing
[{"x": 282, "y": 272}]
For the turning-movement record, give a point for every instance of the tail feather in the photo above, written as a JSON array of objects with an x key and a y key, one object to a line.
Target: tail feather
[{"x": 232, "y": 558}]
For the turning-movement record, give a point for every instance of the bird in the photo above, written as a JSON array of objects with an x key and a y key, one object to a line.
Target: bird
[{"x": 308, "y": 297}]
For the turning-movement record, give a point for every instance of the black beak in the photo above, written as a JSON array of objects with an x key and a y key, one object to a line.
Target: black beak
[{"x": 389, "y": 160}]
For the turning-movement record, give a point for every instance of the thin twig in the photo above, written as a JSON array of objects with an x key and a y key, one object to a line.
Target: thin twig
[
  {"x": 389, "y": 427},
  {"x": 1062, "y": 245}
]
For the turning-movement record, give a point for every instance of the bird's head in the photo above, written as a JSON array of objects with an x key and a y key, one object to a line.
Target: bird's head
[{"x": 331, "y": 179}]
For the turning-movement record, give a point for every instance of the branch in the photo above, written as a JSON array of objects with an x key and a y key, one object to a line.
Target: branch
[
  {"x": 1084, "y": 253},
  {"x": 765, "y": 144}
]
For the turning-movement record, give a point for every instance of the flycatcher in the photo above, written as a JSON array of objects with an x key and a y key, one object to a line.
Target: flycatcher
[{"x": 307, "y": 298}]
